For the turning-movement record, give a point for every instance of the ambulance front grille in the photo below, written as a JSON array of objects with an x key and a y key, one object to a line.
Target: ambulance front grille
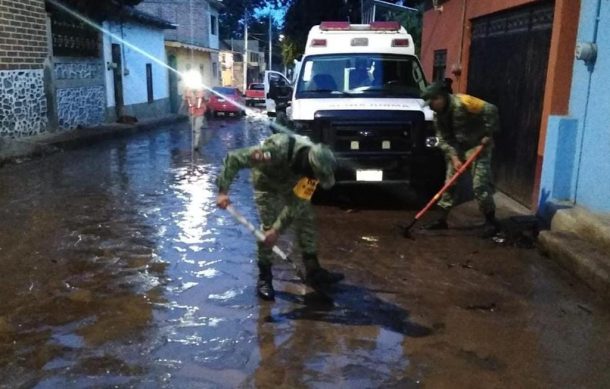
[{"x": 369, "y": 137}]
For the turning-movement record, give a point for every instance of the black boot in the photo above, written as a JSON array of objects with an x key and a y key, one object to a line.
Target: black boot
[
  {"x": 492, "y": 226},
  {"x": 316, "y": 275},
  {"x": 440, "y": 223},
  {"x": 264, "y": 285}
]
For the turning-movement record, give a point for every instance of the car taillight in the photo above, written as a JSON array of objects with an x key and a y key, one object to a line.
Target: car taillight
[
  {"x": 334, "y": 26},
  {"x": 400, "y": 43},
  {"x": 318, "y": 43},
  {"x": 385, "y": 26}
]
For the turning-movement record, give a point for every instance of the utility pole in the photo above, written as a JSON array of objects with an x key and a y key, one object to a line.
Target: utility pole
[
  {"x": 270, "y": 43},
  {"x": 246, "y": 59}
]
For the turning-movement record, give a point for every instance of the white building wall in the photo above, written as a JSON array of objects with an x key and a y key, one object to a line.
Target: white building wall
[
  {"x": 107, "y": 48},
  {"x": 148, "y": 39}
]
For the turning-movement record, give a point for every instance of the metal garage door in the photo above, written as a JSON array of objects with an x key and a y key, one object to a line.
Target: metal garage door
[{"x": 508, "y": 62}]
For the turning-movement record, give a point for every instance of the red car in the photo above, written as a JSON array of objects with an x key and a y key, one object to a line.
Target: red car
[
  {"x": 224, "y": 106},
  {"x": 255, "y": 94}
]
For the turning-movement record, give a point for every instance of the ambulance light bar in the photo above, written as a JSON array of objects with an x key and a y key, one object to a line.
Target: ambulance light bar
[
  {"x": 335, "y": 26},
  {"x": 385, "y": 26},
  {"x": 346, "y": 26}
]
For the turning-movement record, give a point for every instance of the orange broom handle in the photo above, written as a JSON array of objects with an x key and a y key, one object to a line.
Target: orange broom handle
[{"x": 451, "y": 181}]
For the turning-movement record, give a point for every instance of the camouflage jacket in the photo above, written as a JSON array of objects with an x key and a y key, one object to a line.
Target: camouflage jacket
[
  {"x": 271, "y": 164},
  {"x": 466, "y": 121}
]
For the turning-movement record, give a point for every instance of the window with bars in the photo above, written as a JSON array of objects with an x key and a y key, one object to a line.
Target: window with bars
[
  {"x": 72, "y": 38},
  {"x": 440, "y": 65}
]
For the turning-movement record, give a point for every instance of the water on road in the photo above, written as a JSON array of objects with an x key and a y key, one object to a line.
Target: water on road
[{"x": 118, "y": 270}]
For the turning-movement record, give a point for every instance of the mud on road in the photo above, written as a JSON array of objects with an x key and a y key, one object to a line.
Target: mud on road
[{"x": 118, "y": 270}]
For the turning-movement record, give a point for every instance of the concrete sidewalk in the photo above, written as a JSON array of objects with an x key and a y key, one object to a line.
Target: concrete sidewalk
[
  {"x": 575, "y": 238},
  {"x": 580, "y": 241},
  {"x": 14, "y": 149}
]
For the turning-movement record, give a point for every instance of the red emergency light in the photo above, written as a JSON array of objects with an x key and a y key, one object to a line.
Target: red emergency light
[
  {"x": 318, "y": 43},
  {"x": 334, "y": 26},
  {"x": 385, "y": 26},
  {"x": 400, "y": 43}
]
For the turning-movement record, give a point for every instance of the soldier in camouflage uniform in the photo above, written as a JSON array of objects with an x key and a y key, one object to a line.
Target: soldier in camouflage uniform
[
  {"x": 285, "y": 172},
  {"x": 462, "y": 123}
]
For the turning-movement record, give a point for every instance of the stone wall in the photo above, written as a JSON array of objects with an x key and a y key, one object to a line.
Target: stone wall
[
  {"x": 23, "y": 48},
  {"x": 23, "y": 106},
  {"x": 76, "y": 70},
  {"x": 81, "y": 107},
  {"x": 80, "y": 92}
]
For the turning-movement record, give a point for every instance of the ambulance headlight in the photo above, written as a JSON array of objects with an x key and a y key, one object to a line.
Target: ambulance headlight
[
  {"x": 193, "y": 80},
  {"x": 431, "y": 142}
]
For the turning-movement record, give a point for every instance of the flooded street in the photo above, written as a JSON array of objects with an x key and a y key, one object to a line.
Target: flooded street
[{"x": 119, "y": 270}]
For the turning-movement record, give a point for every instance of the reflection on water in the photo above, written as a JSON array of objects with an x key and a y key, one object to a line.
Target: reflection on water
[{"x": 118, "y": 270}]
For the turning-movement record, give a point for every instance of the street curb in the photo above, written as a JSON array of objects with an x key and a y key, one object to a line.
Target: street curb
[
  {"x": 580, "y": 257},
  {"x": 89, "y": 136},
  {"x": 588, "y": 226},
  {"x": 12, "y": 150}
]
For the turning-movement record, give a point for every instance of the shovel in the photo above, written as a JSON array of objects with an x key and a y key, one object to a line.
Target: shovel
[
  {"x": 260, "y": 236},
  {"x": 406, "y": 230}
]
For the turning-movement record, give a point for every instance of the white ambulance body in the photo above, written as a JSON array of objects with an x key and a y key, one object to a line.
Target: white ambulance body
[{"x": 358, "y": 90}]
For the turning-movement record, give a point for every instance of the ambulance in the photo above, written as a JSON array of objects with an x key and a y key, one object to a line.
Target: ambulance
[{"x": 357, "y": 89}]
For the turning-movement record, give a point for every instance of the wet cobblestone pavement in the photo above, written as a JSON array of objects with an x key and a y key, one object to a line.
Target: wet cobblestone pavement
[{"x": 118, "y": 270}]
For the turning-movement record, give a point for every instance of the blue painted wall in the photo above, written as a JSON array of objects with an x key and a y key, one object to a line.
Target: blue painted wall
[{"x": 576, "y": 164}]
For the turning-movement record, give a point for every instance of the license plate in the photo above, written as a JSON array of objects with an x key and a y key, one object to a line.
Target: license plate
[
  {"x": 221, "y": 100},
  {"x": 369, "y": 175}
]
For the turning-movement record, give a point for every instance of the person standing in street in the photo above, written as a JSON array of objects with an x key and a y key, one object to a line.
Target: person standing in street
[
  {"x": 462, "y": 123},
  {"x": 195, "y": 101},
  {"x": 286, "y": 170}
]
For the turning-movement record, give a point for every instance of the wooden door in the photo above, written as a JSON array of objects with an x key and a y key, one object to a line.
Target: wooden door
[
  {"x": 118, "y": 79},
  {"x": 508, "y": 62},
  {"x": 174, "y": 99}
]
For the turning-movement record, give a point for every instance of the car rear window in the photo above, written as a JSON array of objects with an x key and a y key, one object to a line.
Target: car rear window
[
  {"x": 257, "y": 87},
  {"x": 225, "y": 91}
]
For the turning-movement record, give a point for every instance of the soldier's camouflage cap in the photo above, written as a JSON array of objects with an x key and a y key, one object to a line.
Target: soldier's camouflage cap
[
  {"x": 323, "y": 163},
  {"x": 435, "y": 89}
]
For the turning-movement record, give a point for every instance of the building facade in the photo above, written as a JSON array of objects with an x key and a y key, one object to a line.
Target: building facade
[
  {"x": 137, "y": 85},
  {"x": 75, "y": 82},
  {"x": 56, "y": 72},
  {"x": 96, "y": 77},
  {"x": 516, "y": 54},
  {"x": 576, "y": 167},
  {"x": 228, "y": 65},
  {"x": 255, "y": 62},
  {"x": 23, "y": 52},
  {"x": 193, "y": 44}
]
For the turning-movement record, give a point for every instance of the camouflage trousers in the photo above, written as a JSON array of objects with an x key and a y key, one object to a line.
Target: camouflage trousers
[
  {"x": 269, "y": 206},
  {"x": 482, "y": 182}
]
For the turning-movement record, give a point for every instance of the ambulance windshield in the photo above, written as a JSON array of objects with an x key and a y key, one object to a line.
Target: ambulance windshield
[{"x": 361, "y": 75}]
